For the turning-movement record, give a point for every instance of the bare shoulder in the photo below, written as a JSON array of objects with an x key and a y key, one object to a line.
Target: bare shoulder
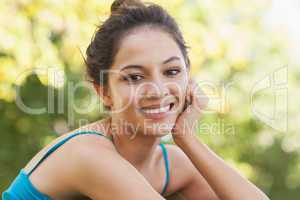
[
  {"x": 101, "y": 173},
  {"x": 178, "y": 158},
  {"x": 176, "y": 153},
  {"x": 189, "y": 182},
  {"x": 182, "y": 169},
  {"x": 70, "y": 144},
  {"x": 85, "y": 152},
  {"x": 86, "y": 148}
]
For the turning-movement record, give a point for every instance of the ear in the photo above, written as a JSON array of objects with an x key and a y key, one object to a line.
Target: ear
[{"x": 104, "y": 94}]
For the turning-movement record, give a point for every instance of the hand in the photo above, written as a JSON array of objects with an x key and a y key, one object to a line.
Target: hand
[{"x": 186, "y": 123}]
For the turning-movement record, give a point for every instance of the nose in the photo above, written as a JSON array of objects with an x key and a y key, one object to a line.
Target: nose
[{"x": 156, "y": 89}]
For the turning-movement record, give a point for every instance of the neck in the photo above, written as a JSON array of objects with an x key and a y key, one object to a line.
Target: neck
[{"x": 137, "y": 150}]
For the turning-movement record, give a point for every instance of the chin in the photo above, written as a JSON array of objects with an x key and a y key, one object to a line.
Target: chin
[{"x": 159, "y": 129}]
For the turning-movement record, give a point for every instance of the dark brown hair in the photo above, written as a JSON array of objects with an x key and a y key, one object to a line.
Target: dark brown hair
[{"x": 127, "y": 15}]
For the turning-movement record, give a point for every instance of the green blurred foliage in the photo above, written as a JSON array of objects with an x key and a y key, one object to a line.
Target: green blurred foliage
[{"x": 233, "y": 43}]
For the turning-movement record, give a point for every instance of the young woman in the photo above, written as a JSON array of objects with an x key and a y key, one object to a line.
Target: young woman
[{"x": 140, "y": 68}]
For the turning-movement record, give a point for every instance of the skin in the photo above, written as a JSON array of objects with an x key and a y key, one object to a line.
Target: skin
[{"x": 132, "y": 167}]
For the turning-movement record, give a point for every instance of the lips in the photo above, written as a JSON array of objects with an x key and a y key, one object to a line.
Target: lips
[
  {"x": 157, "y": 113},
  {"x": 158, "y": 105},
  {"x": 155, "y": 109}
]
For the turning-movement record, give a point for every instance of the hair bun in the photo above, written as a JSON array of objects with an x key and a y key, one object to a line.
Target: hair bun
[{"x": 120, "y": 5}]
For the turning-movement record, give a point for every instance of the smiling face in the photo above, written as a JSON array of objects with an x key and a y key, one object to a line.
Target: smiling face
[{"x": 148, "y": 81}]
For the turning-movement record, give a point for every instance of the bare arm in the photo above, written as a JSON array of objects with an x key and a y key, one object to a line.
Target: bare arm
[
  {"x": 193, "y": 184},
  {"x": 224, "y": 180}
]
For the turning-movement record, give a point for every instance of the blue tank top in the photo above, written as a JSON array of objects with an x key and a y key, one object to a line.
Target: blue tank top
[{"x": 22, "y": 188}]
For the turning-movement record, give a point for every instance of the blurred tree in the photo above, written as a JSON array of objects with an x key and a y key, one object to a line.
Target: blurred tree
[{"x": 232, "y": 45}]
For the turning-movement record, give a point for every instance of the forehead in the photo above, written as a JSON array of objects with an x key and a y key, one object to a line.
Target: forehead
[{"x": 146, "y": 46}]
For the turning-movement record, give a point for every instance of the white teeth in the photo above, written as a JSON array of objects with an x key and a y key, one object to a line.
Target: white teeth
[{"x": 157, "y": 110}]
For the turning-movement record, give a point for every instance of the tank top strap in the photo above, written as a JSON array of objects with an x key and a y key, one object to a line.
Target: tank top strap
[
  {"x": 167, "y": 167},
  {"x": 60, "y": 143}
]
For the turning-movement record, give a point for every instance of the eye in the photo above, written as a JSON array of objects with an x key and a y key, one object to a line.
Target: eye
[
  {"x": 132, "y": 77},
  {"x": 172, "y": 72}
]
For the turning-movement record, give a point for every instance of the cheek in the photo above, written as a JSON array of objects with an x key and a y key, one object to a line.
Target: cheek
[
  {"x": 179, "y": 89},
  {"x": 123, "y": 98}
]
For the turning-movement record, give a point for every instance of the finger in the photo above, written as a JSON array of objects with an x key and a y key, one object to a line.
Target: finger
[
  {"x": 191, "y": 84},
  {"x": 199, "y": 98}
]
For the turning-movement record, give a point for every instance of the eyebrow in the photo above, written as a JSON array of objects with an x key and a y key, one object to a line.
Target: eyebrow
[{"x": 139, "y": 66}]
